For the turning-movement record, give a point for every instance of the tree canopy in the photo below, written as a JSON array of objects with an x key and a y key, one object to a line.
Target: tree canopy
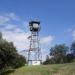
[
  {"x": 73, "y": 48},
  {"x": 58, "y": 54},
  {"x": 9, "y": 57}
]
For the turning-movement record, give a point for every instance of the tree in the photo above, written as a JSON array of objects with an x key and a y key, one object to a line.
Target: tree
[
  {"x": 59, "y": 53},
  {"x": 9, "y": 57},
  {"x": 19, "y": 61},
  {"x": 47, "y": 60},
  {"x": 73, "y": 48},
  {"x": 70, "y": 57},
  {"x": 0, "y": 35}
]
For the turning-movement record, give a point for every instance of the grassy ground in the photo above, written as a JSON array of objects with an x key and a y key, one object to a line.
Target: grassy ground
[{"x": 55, "y": 69}]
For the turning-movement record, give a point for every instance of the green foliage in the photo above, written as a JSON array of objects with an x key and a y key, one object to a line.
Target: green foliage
[
  {"x": 9, "y": 58},
  {"x": 59, "y": 53},
  {"x": 73, "y": 48},
  {"x": 0, "y": 35},
  {"x": 70, "y": 57},
  {"x": 19, "y": 61},
  {"x": 58, "y": 50}
]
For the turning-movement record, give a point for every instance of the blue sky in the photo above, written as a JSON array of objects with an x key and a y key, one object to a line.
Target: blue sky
[{"x": 57, "y": 19}]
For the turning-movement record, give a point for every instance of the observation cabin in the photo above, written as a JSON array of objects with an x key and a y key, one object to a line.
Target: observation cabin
[{"x": 34, "y": 26}]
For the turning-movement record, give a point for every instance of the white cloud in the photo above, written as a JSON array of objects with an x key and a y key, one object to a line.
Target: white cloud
[
  {"x": 12, "y": 32},
  {"x": 13, "y": 16},
  {"x": 19, "y": 39},
  {"x": 26, "y": 26},
  {"x": 8, "y": 17},
  {"x": 73, "y": 34},
  {"x": 3, "y": 19},
  {"x": 10, "y": 26},
  {"x": 45, "y": 45},
  {"x": 47, "y": 39}
]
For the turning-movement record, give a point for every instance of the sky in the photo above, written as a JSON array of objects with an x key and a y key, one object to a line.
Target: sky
[{"x": 57, "y": 20}]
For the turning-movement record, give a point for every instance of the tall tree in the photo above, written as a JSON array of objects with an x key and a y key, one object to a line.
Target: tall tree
[
  {"x": 9, "y": 56},
  {"x": 0, "y": 35},
  {"x": 73, "y": 48},
  {"x": 59, "y": 53}
]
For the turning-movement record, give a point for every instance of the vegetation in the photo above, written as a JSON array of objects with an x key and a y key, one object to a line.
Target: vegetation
[
  {"x": 73, "y": 48},
  {"x": 60, "y": 54},
  {"x": 54, "y": 69},
  {"x": 9, "y": 58}
]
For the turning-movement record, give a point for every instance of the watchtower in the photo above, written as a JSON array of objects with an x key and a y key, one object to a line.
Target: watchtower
[{"x": 34, "y": 52}]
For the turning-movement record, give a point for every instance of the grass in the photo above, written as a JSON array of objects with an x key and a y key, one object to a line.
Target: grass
[{"x": 55, "y": 69}]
